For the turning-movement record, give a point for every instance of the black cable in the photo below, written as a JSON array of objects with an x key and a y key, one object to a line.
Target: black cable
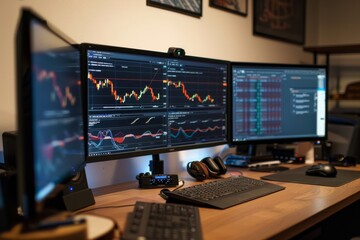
[
  {"x": 181, "y": 185},
  {"x": 164, "y": 190}
]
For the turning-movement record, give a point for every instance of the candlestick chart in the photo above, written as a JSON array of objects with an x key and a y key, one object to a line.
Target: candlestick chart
[
  {"x": 127, "y": 86},
  {"x": 195, "y": 86}
]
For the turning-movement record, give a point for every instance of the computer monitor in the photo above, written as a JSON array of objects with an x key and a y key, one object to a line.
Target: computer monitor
[
  {"x": 277, "y": 103},
  {"x": 344, "y": 135},
  {"x": 51, "y": 146},
  {"x": 144, "y": 102}
]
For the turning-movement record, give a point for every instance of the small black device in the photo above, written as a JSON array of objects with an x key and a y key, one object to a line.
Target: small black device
[
  {"x": 146, "y": 180},
  {"x": 268, "y": 168},
  {"x": 10, "y": 148},
  {"x": 8, "y": 200},
  {"x": 322, "y": 170},
  {"x": 237, "y": 160},
  {"x": 176, "y": 52},
  {"x": 288, "y": 156},
  {"x": 8, "y": 183},
  {"x": 163, "y": 221},
  {"x": 76, "y": 193},
  {"x": 323, "y": 149}
]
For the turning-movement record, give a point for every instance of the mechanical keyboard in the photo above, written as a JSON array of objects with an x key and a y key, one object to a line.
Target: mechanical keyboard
[
  {"x": 223, "y": 193},
  {"x": 163, "y": 221}
]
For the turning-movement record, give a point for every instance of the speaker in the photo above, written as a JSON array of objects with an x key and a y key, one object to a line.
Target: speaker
[
  {"x": 8, "y": 183},
  {"x": 10, "y": 145},
  {"x": 206, "y": 168},
  {"x": 318, "y": 151},
  {"x": 8, "y": 200},
  {"x": 76, "y": 193}
]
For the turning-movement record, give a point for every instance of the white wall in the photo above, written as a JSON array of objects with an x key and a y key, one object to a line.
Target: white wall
[{"x": 130, "y": 23}]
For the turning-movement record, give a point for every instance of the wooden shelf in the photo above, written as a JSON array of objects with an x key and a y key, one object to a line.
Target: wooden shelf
[
  {"x": 333, "y": 49},
  {"x": 344, "y": 99}
]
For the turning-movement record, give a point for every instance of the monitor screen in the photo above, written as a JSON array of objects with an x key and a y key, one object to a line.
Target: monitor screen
[
  {"x": 277, "y": 103},
  {"x": 344, "y": 134},
  {"x": 49, "y": 107},
  {"x": 143, "y": 102}
]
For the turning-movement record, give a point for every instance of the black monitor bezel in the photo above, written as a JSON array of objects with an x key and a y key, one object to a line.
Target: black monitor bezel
[
  {"x": 273, "y": 140},
  {"x": 31, "y": 208},
  {"x": 99, "y": 47}
]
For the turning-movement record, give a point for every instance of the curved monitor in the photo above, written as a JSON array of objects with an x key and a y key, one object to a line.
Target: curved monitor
[
  {"x": 143, "y": 102},
  {"x": 51, "y": 147},
  {"x": 274, "y": 103}
]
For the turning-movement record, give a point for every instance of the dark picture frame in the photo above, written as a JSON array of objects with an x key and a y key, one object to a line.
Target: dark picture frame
[
  {"x": 188, "y": 7},
  {"x": 281, "y": 20},
  {"x": 234, "y": 6}
]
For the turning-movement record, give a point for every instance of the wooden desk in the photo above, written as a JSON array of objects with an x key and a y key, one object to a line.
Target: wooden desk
[{"x": 281, "y": 215}]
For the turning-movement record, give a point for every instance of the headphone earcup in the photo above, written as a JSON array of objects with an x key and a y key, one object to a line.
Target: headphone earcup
[
  {"x": 197, "y": 170},
  {"x": 220, "y": 163},
  {"x": 213, "y": 168}
]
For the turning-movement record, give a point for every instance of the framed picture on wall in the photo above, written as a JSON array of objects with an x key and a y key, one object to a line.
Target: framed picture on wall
[
  {"x": 234, "y": 6},
  {"x": 279, "y": 19},
  {"x": 189, "y": 7}
]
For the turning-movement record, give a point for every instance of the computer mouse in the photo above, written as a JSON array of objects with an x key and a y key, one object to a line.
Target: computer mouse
[{"x": 322, "y": 170}]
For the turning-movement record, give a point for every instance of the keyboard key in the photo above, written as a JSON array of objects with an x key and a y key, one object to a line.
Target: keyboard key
[{"x": 163, "y": 221}]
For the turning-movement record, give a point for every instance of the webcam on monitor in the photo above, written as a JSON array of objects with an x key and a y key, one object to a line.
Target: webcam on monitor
[{"x": 176, "y": 52}]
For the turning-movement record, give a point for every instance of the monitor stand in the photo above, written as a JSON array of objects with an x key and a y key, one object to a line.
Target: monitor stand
[{"x": 156, "y": 165}]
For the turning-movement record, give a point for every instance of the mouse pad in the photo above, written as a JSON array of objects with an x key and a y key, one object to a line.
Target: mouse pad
[{"x": 298, "y": 175}]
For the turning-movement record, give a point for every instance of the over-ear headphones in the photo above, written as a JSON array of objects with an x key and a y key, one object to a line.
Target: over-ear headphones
[{"x": 206, "y": 168}]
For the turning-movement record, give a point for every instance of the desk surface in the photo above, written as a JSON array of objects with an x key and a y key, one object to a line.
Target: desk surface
[{"x": 277, "y": 216}]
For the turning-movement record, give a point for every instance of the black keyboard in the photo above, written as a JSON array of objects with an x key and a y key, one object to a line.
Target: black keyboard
[
  {"x": 163, "y": 221},
  {"x": 223, "y": 193}
]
